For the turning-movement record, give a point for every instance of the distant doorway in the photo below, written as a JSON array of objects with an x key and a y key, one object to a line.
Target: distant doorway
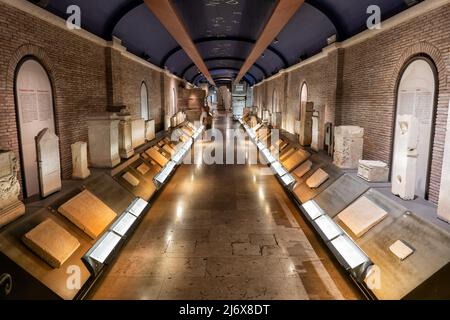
[
  {"x": 416, "y": 95},
  {"x": 35, "y": 112}
]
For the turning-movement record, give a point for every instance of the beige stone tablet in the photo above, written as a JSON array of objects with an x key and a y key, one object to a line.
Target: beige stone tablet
[
  {"x": 131, "y": 179},
  {"x": 88, "y": 213},
  {"x": 296, "y": 159},
  {"x": 169, "y": 149},
  {"x": 401, "y": 250},
  {"x": 143, "y": 169},
  {"x": 362, "y": 215},
  {"x": 51, "y": 242},
  {"x": 303, "y": 169},
  {"x": 317, "y": 179},
  {"x": 158, "y": 157}
]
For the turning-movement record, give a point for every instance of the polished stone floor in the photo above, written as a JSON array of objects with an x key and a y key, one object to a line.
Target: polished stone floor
[{"x": 223, "y": 232}]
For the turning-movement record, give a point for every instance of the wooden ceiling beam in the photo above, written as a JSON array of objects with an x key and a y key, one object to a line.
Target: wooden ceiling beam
[
  {"x": 283, "y": 12},
  {"x": 168, "y": 17}
]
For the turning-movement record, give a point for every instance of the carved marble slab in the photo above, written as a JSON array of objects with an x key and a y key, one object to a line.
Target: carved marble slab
[
  {"x": 150, "y": 132},
  {"x": 51, "y": 242},
  {"x": 156, "y": 156},
  {"x": 88, "y": 213},
  {"x": 362, "y": 215},
  {"x": 80, "y": 168},
  {"x": 131, "y": 179},
  {"x": 103, "y": 132},
  {"x": 49, "y": 165},
  {"x": 348, "y": 146},
  {"x": 303, "y": 169}
]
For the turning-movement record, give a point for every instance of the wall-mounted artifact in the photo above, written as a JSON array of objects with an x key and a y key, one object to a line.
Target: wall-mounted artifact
[
  {"x": 11, "y": 207},
  {"x": 404, "y": 167},
  {"x": 80, "y": 168},
  {"x": 103, "y": 130},
  {"x": 49, "y": 165},
  {"x": 348, "y": 146},
  {"x": 51, "y": 242},
  {"x": 126, "y": 150},
  {"x": 88, "y": 213}
]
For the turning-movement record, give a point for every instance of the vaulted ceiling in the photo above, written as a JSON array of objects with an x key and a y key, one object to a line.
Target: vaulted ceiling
[{"x": 225, "y": 31}]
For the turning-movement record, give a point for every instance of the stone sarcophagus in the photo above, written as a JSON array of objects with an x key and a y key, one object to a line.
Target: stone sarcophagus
[
  {"x": 103, "y": 130},
  {"x": 373, "y": 171},
  {"x": 80, "y": 166},
  {"x": 306, "y": 113},
  {"x": 348, "y": 146},
  {"x": 404, "y": 166},
  {"x": 49, "y": 163},
  {"x": 11, "y": 207}
]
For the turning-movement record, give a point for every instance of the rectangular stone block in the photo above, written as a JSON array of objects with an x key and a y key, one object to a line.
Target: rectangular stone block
[
  {"x": 303, "y": 169},
  {"x": 150, "y": 133},
  {"x": 131, "y": 179},
  {"x": 157, "y": 157},
  {"x": 80, "y": 168},
  {"x": 49, "y": 165},
  {"x": 362, "y": 215},
  {"x": 137, "y": 133},
  {"x": 317, "y": 179},
  {"x": 297, "y": 158},
  {"x": 348, "y": 146},
  {"x": 404, "y": 167},
  {"x": 88, "y": 213},
  {"x": 51, "y": 242},
  {"x": 373, "y": 171},
  {"x": 126, "y": 150}
]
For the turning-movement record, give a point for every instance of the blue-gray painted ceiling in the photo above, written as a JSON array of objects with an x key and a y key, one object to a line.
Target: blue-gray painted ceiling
[{"x": 224, "y": 31}]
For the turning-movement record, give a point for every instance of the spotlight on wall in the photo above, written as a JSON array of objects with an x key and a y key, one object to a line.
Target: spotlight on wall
[
  {"x": 332, "y": 39},
  {"x": 276, "y": 41}
]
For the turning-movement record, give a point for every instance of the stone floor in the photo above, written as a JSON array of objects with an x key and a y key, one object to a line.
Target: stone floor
[{"x": 224, "y": 232}]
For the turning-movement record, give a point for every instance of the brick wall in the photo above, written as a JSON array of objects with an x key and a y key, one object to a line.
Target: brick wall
[
  {"x": 357, "y": 85},
  {"x": 87, "y": 76}
]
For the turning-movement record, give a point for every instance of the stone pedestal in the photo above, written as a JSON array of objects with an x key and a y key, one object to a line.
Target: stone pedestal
[
  {"x": 348, "y": 146},
  {"x": 103, "y": 132},
  {"x": 329, "y": 141},
  {"x": 315, "y": 132},
  {"x": 404, "y": 166},
  {"x": 150, "y": 133},
  {"x": 137, "y": 132},
  {"x": 49, "y": 165},
  {"x": 10, "y": 206},
  {"x": 80, "y": 168},
  {"x": 307, "y": 109},
  {"x": 126, "y": 150},
  {"x": 444, "y": 196}
]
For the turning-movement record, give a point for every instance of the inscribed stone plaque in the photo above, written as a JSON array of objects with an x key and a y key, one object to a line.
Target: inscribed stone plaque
[
  {"x": 316, "y": 180},
  {"x": 137, "y": 132},
  {"x": 88, "y": 213},
  {"x": 131, "y": 179},
  {"x": 143, "y": 169},
  {"x": 158, "y": 157},
  {"x": 5, "y": 164},
  {"x": 362, "y": 215},
  {"x": 51, "y": 242},
  {"x": 303, "y": 169},
  {"x": 150, "y": 130},
  {"x": 48, "y": 162}
]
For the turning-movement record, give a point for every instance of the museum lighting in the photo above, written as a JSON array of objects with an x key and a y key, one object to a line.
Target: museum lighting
[
  {"x": 137, "y": 207},
  {"x": 328, "y": 227},
  {"x": 104, "y": 247},
  {"x": 164, "y": 174},
  {"x": 312, "y": 209}
]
